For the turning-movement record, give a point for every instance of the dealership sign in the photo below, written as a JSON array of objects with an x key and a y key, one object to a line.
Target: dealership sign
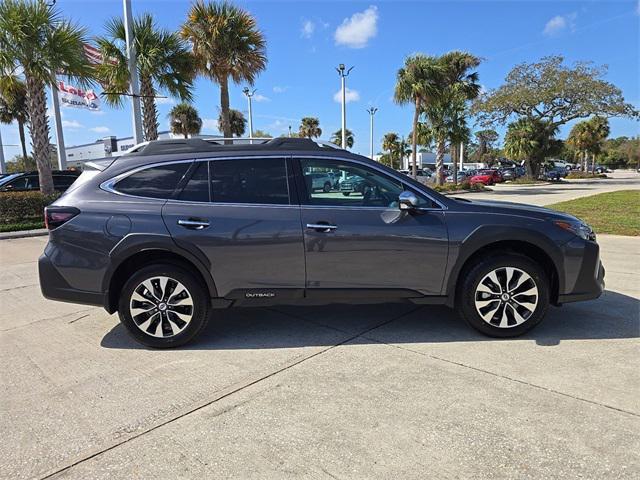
[{"x": 78, "y": 98}]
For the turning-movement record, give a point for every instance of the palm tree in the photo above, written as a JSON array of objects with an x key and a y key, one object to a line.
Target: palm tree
[
  {"x": 237, "y": 122},
  {"x": 336, "y": 137},
  {"x": 531, "y": 140},
  {"x": 310, "y": 127},
  {"x": 579, "y": 139},
  {"x": 391, "y": 143},
  {"x": 459, "y": 132},
  {"x": 13, "y": 106},
  {"x": 416, "y": 83},
  {"x": 599, "y": 130},
  {"x": 164, "y": 65},
  {"x": 226, "y": 43},
  {"x": 184, "y": 120},
  {"x": 38, "y": 42}
]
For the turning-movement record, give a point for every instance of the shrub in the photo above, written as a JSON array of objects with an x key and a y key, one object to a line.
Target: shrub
[
  {"x": 465, "y": 185},
  {"x": 23, "y": 208},
  {"x": 578, "y": 174}
]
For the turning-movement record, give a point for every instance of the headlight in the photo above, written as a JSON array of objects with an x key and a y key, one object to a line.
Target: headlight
[{"x": 580, "y": 229}]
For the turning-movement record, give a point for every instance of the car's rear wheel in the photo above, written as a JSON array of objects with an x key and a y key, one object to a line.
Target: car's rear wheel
[
  {"x": 504, "y": 296},
  {"x": 163, "y": 306},
  {"x": 327, "y": 187}
]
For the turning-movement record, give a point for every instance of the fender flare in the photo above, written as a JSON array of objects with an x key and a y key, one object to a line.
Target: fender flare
[
  {"x": 487, "y": 235},
  {"x": 133, "y": 244}
]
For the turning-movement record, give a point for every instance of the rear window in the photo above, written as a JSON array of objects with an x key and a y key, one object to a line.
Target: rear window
[
  {"x": 197, "y": 188},
  {"x": 154, "y": 182},
  {"x": 261, "y": 181}
]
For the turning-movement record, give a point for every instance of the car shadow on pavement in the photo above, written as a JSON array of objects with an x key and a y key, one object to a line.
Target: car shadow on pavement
[{"x": 613, "y": 316}]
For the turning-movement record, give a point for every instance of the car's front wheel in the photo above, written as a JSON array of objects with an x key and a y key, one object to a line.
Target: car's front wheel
[
  {"x": 504, "y": 296},
  {"x": 163, "y": 306}
]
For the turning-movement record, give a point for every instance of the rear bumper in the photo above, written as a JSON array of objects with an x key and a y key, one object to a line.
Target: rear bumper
[
  {"x": 589, "y": 281},
  {"x": 55, "y": 287}
]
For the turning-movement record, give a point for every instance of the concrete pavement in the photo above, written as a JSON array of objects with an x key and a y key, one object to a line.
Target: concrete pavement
[{"x": 384, "y": 391}]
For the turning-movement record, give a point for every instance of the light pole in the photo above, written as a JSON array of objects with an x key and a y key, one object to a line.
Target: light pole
[
  {"x": 372, "y": 111},
  {"x": 343, "y": 75},
  {"x": 249, "y": 94},
  {"x": 133, "y": 72}
]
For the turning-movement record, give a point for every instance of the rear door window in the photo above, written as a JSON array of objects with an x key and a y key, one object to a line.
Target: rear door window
[
  {"x": 257, "y": 181},
  {"x": 154, "y": 182},
  {"x": 197, "y": 188}
]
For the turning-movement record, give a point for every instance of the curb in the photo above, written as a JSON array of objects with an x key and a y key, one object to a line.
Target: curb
[{"x": 41, "y": 232}]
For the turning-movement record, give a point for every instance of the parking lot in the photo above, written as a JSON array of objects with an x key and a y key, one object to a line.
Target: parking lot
[{"x": 391, "y": 391}]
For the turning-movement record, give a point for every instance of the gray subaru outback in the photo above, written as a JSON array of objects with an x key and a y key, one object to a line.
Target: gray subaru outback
[{"x": 173, "y": 230}]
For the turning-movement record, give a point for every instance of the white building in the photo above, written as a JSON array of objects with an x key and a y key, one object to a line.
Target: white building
[{"x": 106, "y": 147}]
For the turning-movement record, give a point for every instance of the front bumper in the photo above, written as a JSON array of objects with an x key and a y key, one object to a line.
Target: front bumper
[
  {"x": 55, "y": 287},
  {"x": 586, "y": 281}
]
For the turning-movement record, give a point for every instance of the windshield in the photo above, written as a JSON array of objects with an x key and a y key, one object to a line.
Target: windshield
[{"x": 8, "y": 178}]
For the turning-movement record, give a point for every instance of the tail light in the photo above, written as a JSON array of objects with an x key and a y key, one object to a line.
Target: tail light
[{"x": 56, "y": 216}]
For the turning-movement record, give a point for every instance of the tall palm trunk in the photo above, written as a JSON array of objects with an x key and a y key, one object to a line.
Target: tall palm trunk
[
  {"x": 454, "y": 154},
  {"x": 23, "y": 141},
  {"x": 439, "y": 160},
  {"x": 529, "y": 165},
  {"x": 414, "y": 140},
  {"x": 149, "y": 112},
  {"x": 39, "y": 128},
  {"x": 593, "y": 164},
  {"x": 224, "y": 108}
]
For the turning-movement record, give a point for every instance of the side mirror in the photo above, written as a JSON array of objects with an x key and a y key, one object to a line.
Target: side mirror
[{"x": 407, "y": 200}]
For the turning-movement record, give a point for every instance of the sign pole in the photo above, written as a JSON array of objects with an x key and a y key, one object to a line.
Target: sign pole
[
  {"x": 133, "y": 73},
  {"x": 62, "y": 154},
  {"x": 3, "y": 167}
]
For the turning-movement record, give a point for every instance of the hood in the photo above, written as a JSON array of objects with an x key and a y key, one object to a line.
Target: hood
[{"x": 516, "y": 209}]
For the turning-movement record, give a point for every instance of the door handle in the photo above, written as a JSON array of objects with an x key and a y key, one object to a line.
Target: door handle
[
  {"x": 322, "y": 227},
  {"x": 193, "y": 224}
]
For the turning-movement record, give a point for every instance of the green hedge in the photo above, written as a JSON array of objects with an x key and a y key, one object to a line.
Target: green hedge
[
  {"x": 580, "y": 175},
  {"x": 23, "y": 210},
  {"x": 464, "y": 185}
]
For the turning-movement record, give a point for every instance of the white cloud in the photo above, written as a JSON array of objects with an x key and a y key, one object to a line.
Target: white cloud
[
  {"x": 308, "y": 27},
  {"x": 100, "y": 129},
  {"x": 165, "y": 101},
  {"x": 356, "y": 31},
  {"x": 278, "y": 89},
  {"x": 71, "y": 124},
  {"x": 350, "y": 95},
  {"x": 210, "y": 124},
  {"x": 261, "y": 98},
  {"x": 559, "y": 23}
]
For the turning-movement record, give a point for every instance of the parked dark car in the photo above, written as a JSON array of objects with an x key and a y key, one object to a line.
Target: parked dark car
[
  {"x": 29, "y": 181},
  {"x": 168, "y": 233},
  {"x": 510, "y": 173}
]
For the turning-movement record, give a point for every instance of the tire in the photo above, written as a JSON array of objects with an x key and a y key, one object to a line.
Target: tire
[
  {"x": 154, "y": 316},
  {"x": 346, "y": 194},
  {"x": 327, "y": 187},
  {"x": 514, "y": 314}
]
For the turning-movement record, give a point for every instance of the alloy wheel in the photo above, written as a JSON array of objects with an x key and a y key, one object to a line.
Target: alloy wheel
[
  {"x": 506, "y": 297},
  {"x": 161, "y": 307}
]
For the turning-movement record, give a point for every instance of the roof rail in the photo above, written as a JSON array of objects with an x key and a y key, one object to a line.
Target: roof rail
[{"x": 211, "y": 144}]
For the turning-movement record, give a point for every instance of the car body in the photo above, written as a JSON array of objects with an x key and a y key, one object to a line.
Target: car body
[
  {"x": 486, "y": 176},
  {"x": 461, "y": 176},
  {"x": 419, "y": 172},
  {"x": 30, "y": 181},
  {"x": 510, "y": 173},
  {"x": 168, "y": 233}
]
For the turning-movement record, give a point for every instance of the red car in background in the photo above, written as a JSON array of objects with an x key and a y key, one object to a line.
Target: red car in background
[{"x": 487, "y": 176}]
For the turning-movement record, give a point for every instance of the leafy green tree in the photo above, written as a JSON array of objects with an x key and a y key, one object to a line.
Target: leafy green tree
[
  {"x": 13, "y": 106},
  {"x": 554, "y": 93},
  {"x": 417, "y": 83},
  {"x": 336, "y": 137},
  {"x": 486, "y": 138},
  {"x": 237, "y": 123},
  {"x": 261, "y": 134},
  {"x": 226, "y": 44},
  {"x": 38, "y": 42},
  {"x": 184, "y": 120},
  {"x": 164, "y": 63},
  {"x": 531, "y": 140},
  {"x": 21, "y": 163},
  {"x": 310, "y": 127}
]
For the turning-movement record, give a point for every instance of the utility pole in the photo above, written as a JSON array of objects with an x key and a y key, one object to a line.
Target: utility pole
[
  {"x": 249, "y": 94},
  {"x": 133, "y": 73},
  {"x": 3, "y": 167},
  {"x": 372, "y": 111},
  {"x": 343, "y": 76},
  {"x": 62, "y": 153}
]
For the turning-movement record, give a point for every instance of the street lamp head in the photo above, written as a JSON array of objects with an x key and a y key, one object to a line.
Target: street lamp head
[
  {"x": 245, "y": 90},
  {"x": 341, "y": 67}
]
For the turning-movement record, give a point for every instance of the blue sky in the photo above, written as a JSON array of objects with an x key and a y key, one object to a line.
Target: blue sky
[{"x": 306, "y": 40}]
